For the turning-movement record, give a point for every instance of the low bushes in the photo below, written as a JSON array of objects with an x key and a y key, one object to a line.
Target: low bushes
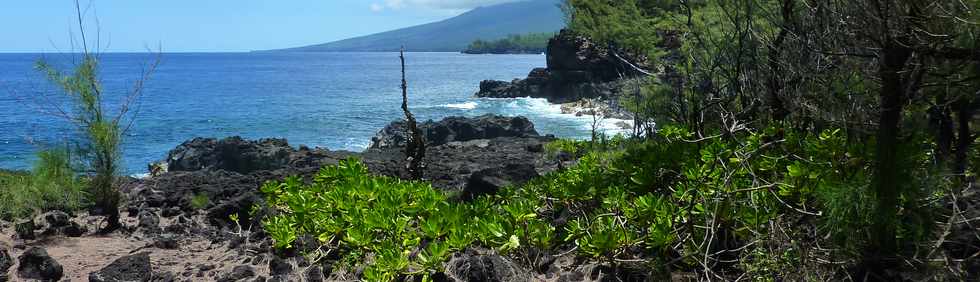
[
  {"x": 759, "y": 207},
  {"x": 51, "y": 185}
]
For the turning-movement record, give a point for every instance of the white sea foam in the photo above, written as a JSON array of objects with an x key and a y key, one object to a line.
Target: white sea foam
[
  {"x": 533, "y": 105},
  {"x": 141, "y": 175},
  {"x": 356, "y": 145},
  {"x": 463, "y": 106},
  {"x": 541, "y": 107}
]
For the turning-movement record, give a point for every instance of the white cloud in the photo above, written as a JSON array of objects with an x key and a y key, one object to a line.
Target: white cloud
[
  {"x": 437, "y": 4},
  {"x": 395, "y": 4}
]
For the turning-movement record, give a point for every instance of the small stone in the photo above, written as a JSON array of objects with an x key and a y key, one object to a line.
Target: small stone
[
  {"x": 314, "y": 274},
  {"x": 175, "y": 228},
  {"x": 166, "y": 242},
  {"x": 148, "y": 220},
  {"x": 164, "y": 277},
  {"x": 73, "y": 229},
  {"x": 239, "y": 273}
]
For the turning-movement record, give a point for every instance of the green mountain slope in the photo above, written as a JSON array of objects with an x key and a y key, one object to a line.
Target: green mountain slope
[{"x": 455, "y": 34}]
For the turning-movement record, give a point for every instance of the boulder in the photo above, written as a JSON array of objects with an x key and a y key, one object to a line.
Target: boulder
[
  {"x": 231, "y": 154},
  {"x": 128, "y": 268},
  {"x": 36, "y": 264},
  {"x": 453, "y": 129},
  {"x": 240, "y": 206},
  {"x": 279, "y": 266},
  {"x": 491, "y": 180},
  {"x": 176, "y": 189},
  {"x": 475, "y": 267},
  {"x": 57, "y": 219}
]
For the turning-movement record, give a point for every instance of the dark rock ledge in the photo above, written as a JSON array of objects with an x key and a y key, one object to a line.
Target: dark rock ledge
[{"x": 577, "y": 69}]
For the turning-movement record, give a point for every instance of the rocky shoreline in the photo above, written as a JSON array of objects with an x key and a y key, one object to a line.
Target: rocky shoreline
[
  {"x": 192, "y": 219},
  {"x": 167, "y": 236}
]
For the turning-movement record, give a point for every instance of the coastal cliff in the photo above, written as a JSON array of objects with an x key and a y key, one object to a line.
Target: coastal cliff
[{"x": 577, "y": 69}]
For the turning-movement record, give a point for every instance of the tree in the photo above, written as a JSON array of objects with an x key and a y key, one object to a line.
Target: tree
[
  {"x": 904, "y": 42},
  {"x": 101, "y": 133}
]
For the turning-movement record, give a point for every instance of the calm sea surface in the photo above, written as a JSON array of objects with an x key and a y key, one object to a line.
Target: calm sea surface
[{"x": 332, "y": 100}]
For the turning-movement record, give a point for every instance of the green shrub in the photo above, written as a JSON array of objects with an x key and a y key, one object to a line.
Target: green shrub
[
  {"x": 364, "y": 214},
  {"x": 51, "y": 185},
  {"x": 200, "y": 201},
  {"x": 648, "y": 200}
]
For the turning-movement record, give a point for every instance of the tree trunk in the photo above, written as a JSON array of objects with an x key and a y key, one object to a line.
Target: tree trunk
[
  {"x": 892, "y": 98},
  {"x": 775, "y": 83},
  {"x": 941, "y": 123},
  {"x": 965, "y": 137}
]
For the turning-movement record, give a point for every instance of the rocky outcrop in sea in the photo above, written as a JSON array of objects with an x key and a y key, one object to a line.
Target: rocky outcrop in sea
[
  {"x": 456, "y": 129},
  {"x": 577, "y": 68}
]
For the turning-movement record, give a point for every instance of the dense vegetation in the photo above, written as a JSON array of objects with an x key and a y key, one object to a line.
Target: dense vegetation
[
  {"x": 898, "y": 79},
  {"x": 532, "y": 43},
  {"x": 818, "y": 141}
]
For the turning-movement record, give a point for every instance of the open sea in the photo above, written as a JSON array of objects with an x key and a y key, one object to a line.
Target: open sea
[{"x": 332, "y": 100}]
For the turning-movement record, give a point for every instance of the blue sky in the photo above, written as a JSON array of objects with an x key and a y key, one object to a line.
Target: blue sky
[{"x": 212, "y": 25}]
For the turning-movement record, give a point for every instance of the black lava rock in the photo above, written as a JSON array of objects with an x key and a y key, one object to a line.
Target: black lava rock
[
  {"x": 166, "y": 241},
  {"x": 489, "y": 181},
  {"x": 149, "y": 221},
  {"x": 230, "y": 154},
  {"x": 279, "y": 266},
  {"x": 57, "y": 219},
  {"x": 73, "y": 229},
  {"x": 240, "y": 272},
  {"x": 35, "y": 263},
  {"x": 452, "y": 129},
  {"x": 128, "y": 268}
]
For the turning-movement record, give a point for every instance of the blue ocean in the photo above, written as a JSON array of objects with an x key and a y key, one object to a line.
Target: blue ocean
[{"x": 332, "y": 100}]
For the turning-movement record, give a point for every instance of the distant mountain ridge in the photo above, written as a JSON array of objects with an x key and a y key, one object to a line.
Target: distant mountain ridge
[{"x": 455, "y": 34}]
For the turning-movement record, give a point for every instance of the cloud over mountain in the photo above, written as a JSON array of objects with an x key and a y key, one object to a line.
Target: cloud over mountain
[{"x": 435, "y": 4}]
